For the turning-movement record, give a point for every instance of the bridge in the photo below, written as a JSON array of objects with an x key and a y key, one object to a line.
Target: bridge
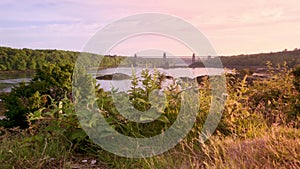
[{"x": 172, "y": 61}]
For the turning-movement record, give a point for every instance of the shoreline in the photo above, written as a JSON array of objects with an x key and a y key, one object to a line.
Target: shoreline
[{"x": 17, "y": 71}]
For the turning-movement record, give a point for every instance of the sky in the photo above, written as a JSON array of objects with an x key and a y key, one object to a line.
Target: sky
[{"x": 232, "y": 27}]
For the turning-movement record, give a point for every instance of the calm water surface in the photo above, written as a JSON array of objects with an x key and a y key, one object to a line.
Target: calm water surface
[{"x": 7, "y": 81}]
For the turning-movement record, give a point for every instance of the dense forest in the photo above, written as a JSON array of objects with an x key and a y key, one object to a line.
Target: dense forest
[
  {"x": 23, "y": 59},
  {"x": 29, "y": 59}
]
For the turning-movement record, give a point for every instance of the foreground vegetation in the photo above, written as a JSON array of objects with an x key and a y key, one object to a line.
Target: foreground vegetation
[
  {"x": 277, "y": 147},
  {"x": 259, "y": 127}
]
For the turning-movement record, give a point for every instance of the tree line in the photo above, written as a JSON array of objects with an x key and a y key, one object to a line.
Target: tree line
[
  {"x": 29, "y": 59},
  {"x": 24, "y": 59},
  {"x": 292, "y": 58}
]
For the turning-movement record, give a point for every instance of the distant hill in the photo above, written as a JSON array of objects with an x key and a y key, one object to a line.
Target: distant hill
[{"x": 292, "y": 59}]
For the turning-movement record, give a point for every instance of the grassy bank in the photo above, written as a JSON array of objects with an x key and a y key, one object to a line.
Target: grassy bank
[{"x": 278, "y": 147}]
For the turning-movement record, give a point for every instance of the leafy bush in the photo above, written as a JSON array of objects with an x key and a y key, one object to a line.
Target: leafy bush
[
  {"x": 276, "y": 97},
  {"x": 145, "y": 97},
  {"x": 51, "y": 80},
  {"x": 296, "y": 81}
]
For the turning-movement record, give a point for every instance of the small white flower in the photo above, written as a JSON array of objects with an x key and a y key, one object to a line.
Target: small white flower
[{"x": 93, "y": 162}]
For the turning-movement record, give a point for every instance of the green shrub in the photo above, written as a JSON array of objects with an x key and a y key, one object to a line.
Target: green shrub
[
  {"x": 296, "y": 81},
  {"x": 51, "y": 80},
  {"x": 276, "y": 97}
]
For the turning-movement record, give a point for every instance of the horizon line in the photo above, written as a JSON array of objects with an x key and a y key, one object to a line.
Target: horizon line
[{"x": 69, "y": 50}]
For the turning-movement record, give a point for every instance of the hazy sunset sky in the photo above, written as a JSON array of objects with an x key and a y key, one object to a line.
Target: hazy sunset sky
[{"x": 233, "y": 27}]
